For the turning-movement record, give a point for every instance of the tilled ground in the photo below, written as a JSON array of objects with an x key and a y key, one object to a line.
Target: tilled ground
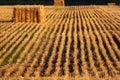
[{"x": 77, "y": 42}]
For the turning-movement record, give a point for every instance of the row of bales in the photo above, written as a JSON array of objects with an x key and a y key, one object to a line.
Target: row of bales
[
  {"x": 34, "y": 13},
  {"x": 62, "y": 3},
  {"x": 28, "y": 14}
]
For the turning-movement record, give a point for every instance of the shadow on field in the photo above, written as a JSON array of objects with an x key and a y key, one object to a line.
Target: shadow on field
[{"x": 6, "y": 21}]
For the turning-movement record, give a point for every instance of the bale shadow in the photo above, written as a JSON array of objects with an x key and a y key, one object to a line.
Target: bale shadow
[{"x": 3, "y": 21}]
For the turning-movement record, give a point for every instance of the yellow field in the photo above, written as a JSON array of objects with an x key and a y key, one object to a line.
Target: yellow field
[{"x": 73, "y": 43}]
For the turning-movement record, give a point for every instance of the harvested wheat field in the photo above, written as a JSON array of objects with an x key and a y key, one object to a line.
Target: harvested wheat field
[{"x": 73, "y": 43}]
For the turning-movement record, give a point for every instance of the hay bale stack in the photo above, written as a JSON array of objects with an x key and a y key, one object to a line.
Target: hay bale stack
[
  {"x": 59, "y": 3},
  {"x": 111, "y": 4},
  {"x": 29, "y": 14}
]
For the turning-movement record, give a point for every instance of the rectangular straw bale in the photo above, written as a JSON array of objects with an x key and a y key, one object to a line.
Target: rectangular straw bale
[
  {"x": 15, "y": 15},
  {"x": 111, "y": 4},
  {"x": 22, "y": 14},
  {"x": 41, "y": 14},
  {"x": 35, "y": 15},
  {"x": 19, "y": 16},
  {"x": 27, "y": 17},
  {"x": 59, "y": 3},
  {"x": 32, "y": 15}
]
